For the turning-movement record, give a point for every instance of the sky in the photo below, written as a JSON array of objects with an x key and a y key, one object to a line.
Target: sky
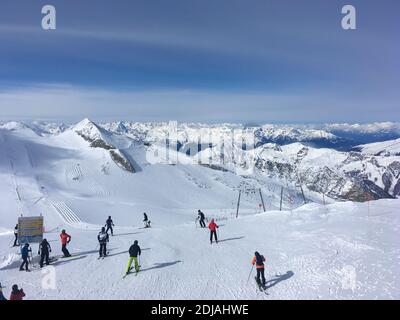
[{"x": 275, "y": 61}]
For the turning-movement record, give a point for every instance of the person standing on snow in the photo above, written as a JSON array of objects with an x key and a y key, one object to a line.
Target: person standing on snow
[
  {"x": 65, "y": 239},
  {"x": 213, "y": 228},
  {"x": 146, "y": 221},
  {"x": 103, "y": 238},
  {"x": 134, "y": 252},
  {"x": 259, "y": 260},
  {"x": 44, "y": 252},
  {"x": 110, "y": 225},
  {"x": 16, "y": 294},
  {"x": 16, "y": 236},
  {"x": 25, "y": 255},
  {"x": 201, "y": 218}
]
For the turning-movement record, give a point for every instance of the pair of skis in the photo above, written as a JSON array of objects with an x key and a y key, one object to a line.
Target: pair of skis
[
  {"x": 102, "y": 257},
  {"x": 129, "y": 272},
  {"x": 261, "y": 287}
]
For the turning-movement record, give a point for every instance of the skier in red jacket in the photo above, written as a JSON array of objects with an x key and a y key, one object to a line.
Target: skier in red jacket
[
  {"x": 259, "y": 260},
  {"x": 213, "y": 228},
  {"x": 17, "y": 294},
  {"x": 65, "y": 239}
]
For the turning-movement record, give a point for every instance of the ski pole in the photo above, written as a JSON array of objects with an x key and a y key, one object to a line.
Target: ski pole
[
  {"x": 251, "y": 271},
  {"x": 33, "y": 264}
]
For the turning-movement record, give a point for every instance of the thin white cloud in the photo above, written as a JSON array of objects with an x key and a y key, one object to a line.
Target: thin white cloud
[{"x": 70, "y": 102}]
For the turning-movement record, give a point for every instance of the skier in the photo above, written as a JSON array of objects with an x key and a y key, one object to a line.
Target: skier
[
  {"x": 16, "y": 236},
  {"x": 110, "y": 225},
  {"x": 259, "y": 260},
  {"x": 44, "y": 249},
  {"x": 103, "y": 238},
  {"x": 17, "y": 294},
  {"x": 2, "y": 297},
  {"x": 146, "y": 221},
  {"x": 65, "y": 239},
  {"x": 25, "y": 255},
  {"x": 134, "y": 252},
  {"x": 213, "y": 228},
  {"x": 201, "y": 218}
]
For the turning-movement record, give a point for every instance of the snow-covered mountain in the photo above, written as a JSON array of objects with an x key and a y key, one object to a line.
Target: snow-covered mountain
[
  {"x": 386, "y": 148},
  {"x": 372, "y": 173},
  {"x": 365, "y": 133}
]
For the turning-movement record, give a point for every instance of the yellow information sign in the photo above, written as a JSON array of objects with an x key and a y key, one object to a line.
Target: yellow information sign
[{"x": 30, "y": 229}]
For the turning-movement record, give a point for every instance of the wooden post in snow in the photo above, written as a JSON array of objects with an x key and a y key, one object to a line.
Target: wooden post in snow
[
  {"x": 262, "y": 200},
  {"x": 238, "y": 204},
  {"x": 280, "y": 207},
  {"x": 302, "y": 192}
]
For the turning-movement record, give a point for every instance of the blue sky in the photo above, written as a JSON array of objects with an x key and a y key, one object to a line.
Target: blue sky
[{"x": 200, "y": 60}]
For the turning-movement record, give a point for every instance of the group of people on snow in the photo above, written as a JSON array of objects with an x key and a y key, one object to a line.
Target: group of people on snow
[
  {"x": 103, "y": 238},
  {"x": 44, "y": 253}
]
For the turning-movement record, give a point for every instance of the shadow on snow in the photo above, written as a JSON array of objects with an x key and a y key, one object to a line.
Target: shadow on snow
[{"x": 279, "y": 278}]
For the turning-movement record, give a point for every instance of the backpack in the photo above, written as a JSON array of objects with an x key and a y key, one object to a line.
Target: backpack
[
  {"x": 259, "y": 260},
  {"x": 102, "y": 236}
]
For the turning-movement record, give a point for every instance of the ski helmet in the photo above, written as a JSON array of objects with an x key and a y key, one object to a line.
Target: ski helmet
[
  {"x": 103, "y": 229},
  {"x": 63, "y": 231},
  {"x": 136, "y": 242}
]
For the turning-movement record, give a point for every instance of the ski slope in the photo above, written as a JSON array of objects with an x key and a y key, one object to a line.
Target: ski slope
[
  {"x": 310, "y": 249},
  {"x": 308, "y": 253}
]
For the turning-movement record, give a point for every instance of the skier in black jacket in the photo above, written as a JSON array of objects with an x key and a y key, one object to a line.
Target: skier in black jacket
[
  {"x": 134, "y": 252},
  {"x": 102, "y": 237},
  {"x": 110, "y": 225},
  {"x": 201, "y": 218},
  {"x": 44, "y": 249}
]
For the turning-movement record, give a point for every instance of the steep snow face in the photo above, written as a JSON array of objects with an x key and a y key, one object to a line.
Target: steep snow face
[
  {"x": 101, "y": 138},
  {"x": 92, "y": 133},
  {"x": 386, "y": 148}
]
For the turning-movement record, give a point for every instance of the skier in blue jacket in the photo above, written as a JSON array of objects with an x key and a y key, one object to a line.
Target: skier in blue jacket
[{"x": 25, "y": 254}]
